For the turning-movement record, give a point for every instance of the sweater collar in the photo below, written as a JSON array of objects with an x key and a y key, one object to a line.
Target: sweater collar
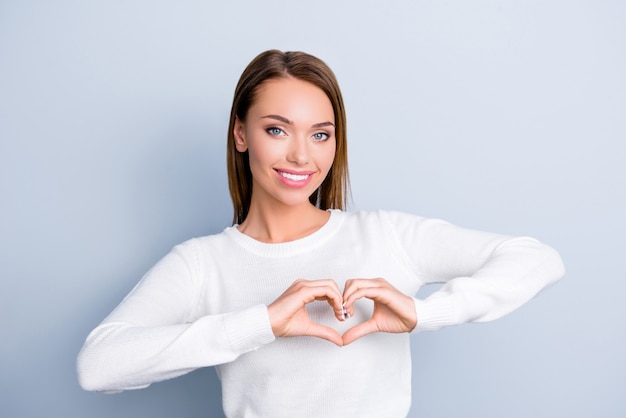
[{"x": 286, "y": 249}]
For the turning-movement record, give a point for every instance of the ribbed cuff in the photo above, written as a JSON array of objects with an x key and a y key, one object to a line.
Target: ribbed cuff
[
  {"x": 249, "y": 329},
  {"x": 435, "y": 313}
]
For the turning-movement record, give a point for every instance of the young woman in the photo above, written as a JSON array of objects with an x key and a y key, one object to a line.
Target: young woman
[{"x": 305, "y": 310}]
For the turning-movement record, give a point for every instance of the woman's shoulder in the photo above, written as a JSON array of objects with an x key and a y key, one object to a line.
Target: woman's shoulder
[
  {"x": 202, "y": 243},
  {"x": 397, "y": 224},
  {"x": 381, "y": 216}
]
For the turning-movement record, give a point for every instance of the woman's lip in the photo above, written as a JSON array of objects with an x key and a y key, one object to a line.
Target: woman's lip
[
  {"x": 293, "y": 178},
  {"x": 295, "y": 172}
]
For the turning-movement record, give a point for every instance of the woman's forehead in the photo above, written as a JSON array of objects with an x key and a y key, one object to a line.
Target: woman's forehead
[{"x": 294, "y": 99}]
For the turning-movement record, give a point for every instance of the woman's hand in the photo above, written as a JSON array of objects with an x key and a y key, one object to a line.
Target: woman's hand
[
  {"x": 288, "y": 314},
  {"x": 393, "y": 310}
]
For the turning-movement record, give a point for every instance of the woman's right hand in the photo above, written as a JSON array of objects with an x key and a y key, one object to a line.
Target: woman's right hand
[{"x": 288, "y": 314}]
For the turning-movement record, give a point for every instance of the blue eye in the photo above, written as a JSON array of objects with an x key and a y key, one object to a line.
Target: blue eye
[
  {"x": 320, "y": 136},
  {"x": 274, "y": 131}
]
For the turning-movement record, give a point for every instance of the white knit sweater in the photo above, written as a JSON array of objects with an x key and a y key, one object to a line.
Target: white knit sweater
[{"x": 205, "y": 304}]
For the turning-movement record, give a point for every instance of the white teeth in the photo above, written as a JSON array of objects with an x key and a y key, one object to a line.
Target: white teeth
[{"x": 294, "y": 177}]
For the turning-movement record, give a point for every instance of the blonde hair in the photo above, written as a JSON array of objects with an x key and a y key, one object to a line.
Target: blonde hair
[{"x": 273, "y": 64}]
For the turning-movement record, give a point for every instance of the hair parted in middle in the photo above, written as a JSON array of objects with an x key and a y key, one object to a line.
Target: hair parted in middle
[{"x": 274, "y": 64}]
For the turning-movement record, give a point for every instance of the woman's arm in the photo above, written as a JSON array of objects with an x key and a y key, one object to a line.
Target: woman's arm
[
  {"x": 155, "y": 333},
  {"x": 484, "y": 275}
]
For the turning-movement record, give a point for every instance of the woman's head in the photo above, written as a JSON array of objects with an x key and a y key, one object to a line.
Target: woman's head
[{"x": 272, "y": 65}]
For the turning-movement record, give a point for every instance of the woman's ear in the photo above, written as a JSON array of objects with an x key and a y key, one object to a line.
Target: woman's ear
[{"x": 240, "y": 138}]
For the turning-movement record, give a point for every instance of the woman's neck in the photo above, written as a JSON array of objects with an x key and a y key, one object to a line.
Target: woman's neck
[{"x": 283, "y": 223}]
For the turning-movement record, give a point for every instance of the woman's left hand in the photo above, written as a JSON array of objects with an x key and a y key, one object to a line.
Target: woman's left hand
[{"x": 393, "y": 310}]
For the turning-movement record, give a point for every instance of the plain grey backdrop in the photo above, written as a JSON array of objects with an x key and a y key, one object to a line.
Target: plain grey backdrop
[{"x": 502, "y": 115}]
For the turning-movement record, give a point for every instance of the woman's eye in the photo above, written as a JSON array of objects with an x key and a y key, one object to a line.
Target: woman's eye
[
  {"x": 274, "y": 131},
  {"x": 320, "y": 136}
]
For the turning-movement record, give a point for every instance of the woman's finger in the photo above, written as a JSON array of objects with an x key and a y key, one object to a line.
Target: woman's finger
[
  {"x": 352, "y": 284},
  {"x": 327, "y": 293},
  {"x": 378, "y": 294},
  {"x": 288, "y": 315},
  {"x": 355, "y": 289},
  {"x": 393, "y": 310},
  {"x": 358, "y": 331},
  {"x": 321, "y": 331}
]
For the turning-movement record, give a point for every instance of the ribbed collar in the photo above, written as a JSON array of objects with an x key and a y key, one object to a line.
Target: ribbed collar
[{"x": 287, "y": 249}]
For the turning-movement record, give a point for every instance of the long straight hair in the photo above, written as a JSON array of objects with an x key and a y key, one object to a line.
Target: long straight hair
[{"x": 273, "y": 64}]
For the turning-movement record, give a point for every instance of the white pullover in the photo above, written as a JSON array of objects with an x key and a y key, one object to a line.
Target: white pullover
[{"x": 205, "y": 304}]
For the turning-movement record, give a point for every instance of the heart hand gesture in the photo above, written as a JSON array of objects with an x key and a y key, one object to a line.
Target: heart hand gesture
[{"x": 393, "y": 311}]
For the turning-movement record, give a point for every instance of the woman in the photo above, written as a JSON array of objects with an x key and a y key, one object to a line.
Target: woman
[{"x": 341, "y": 284}]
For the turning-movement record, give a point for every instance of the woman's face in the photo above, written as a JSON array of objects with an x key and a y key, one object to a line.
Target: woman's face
[{"x": 289, "y": 134}]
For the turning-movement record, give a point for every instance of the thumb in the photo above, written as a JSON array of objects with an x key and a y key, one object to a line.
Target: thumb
[
  {"x": 320, "y": 331},
  {"x": 358, "y": 331}
]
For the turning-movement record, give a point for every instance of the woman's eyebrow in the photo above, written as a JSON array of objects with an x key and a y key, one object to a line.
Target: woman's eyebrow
[
  {"x": 288, "y": 122},
  {"x": 278, "y": 118},
  {"x": 322, "y": 124}
]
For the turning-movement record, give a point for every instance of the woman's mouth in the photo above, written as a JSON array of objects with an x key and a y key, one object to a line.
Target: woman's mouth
[{"x": 295, "y": 179}]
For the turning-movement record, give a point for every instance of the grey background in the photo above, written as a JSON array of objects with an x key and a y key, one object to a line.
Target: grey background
[{"x": 506, "y": 116}]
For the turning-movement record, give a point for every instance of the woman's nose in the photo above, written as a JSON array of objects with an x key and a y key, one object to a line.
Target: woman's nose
[{"x": 298, "y": 151}]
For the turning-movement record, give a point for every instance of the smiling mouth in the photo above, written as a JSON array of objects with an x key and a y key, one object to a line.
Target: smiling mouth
[{"x": 294, "y": 177}]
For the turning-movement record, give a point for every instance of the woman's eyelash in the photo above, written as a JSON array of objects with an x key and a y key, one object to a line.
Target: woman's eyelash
[
  {"x": 276, "y": 131},
  {"x": 273, "y": 130}
]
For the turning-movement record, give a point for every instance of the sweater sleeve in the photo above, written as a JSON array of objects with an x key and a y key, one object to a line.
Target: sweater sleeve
[
  {"x": 485, "y": 276},
  {"x": 154, "y": 333}
]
